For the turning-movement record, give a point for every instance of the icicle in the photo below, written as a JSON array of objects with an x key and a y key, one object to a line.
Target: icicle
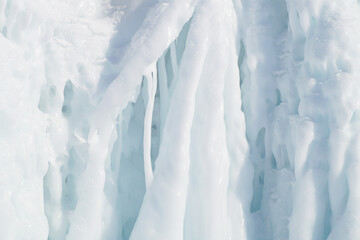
[
  {"x": 152, "y": 85},
  {"x": 164, "y": 91}
]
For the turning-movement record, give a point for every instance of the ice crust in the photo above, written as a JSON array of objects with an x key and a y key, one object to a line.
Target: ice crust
[{"x": 182, "y": 119}]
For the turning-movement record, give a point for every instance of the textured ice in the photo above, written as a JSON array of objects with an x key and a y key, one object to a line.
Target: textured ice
[{"x": 179, "y": 119}]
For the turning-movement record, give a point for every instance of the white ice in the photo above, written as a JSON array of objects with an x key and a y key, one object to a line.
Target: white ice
[{"x": 180, "y": 119}]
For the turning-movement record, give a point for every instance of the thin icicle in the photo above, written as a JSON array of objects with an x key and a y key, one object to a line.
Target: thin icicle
[
  {"x": 151, "y": 85},
  {"x": 164, "y": 91}
]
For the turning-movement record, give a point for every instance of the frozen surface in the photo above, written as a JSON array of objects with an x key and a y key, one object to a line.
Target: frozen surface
[{"x": 179, "y": 119}]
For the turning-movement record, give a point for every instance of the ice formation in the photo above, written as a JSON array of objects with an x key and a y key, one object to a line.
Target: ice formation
[{"x": 179, "y": 119}]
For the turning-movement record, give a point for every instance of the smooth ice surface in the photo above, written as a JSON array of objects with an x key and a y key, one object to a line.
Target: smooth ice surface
[{"x": 179, "y": 119}]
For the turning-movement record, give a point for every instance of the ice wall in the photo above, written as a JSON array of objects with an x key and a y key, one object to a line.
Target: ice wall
[{"x": 182, "y": 119}]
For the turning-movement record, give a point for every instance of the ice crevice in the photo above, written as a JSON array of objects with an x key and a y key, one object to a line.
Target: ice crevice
[{"x": 182, "y": 119}]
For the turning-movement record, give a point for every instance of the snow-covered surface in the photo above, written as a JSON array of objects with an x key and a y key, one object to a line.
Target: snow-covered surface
[{"x": 179, "y": 119}]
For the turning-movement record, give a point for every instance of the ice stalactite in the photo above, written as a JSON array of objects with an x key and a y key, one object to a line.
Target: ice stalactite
[
  {"x": 300, "y": 150},
  {"x": 151, "y": 81},
  {"x": 326, "y": 80},
  {"x": 315, "y": 42}
]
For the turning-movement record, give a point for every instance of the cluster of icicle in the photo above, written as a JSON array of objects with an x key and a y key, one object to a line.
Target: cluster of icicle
[{"x": 179, "y": 119}]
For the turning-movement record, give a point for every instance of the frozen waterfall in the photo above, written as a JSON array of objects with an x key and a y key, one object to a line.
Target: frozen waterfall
[{"x": 179, "y": 119}]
